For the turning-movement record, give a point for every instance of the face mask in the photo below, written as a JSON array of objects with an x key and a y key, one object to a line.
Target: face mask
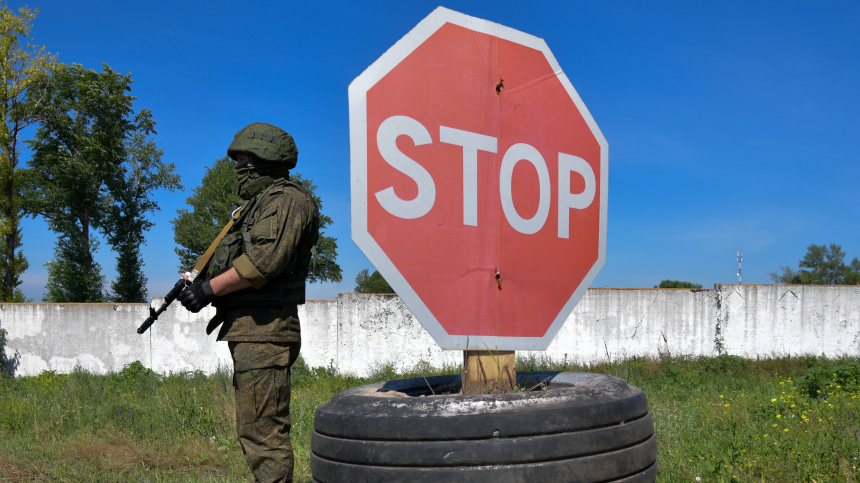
[{"x": 241, "y": 173}]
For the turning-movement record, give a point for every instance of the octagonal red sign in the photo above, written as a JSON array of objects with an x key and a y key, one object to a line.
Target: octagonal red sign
[{"x": 479, "y": 182}]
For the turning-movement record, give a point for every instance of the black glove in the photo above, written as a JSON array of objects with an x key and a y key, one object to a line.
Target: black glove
[{"x": 197, "y": 296}]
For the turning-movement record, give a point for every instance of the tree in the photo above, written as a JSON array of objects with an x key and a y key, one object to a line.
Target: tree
[
  {"x": 24, "y": 69},
  {"x": 82, "y": 166},
  {"x": 371, "y": 283},
  {"x": 821, "y": 265},
  {"x": 70, "y": 280},
  {"x": 853, "y": 276},
  {"x": 327, "y": 269},
  {"x": 677, "y": 284},
  {"x": 194, "y": 229},
  {"x": 8, "y": 364},
  {"x": 143, "y": 173}
]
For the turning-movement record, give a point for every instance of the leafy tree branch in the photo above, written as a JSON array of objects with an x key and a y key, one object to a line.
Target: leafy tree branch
[
  {"x": 210, "y": 203},
  {"x": 821, "y": 265},
  {"x": 24, "y": 73}
]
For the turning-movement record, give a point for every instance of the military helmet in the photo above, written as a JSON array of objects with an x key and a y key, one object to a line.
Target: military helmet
[{"x": 266, "y": 142}]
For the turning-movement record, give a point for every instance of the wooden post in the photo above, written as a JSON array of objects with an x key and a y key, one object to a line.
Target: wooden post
[{"x": 489, "y": 372}]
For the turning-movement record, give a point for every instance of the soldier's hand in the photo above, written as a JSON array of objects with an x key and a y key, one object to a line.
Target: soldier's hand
[{"x": 197, "y": 296}]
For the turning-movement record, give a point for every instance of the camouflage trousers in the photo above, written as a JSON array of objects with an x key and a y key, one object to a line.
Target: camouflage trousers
[{"x": 261, "y": 378}]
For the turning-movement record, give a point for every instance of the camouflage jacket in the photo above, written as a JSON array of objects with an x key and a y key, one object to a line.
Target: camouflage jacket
[{"x": 270, "y": 245}]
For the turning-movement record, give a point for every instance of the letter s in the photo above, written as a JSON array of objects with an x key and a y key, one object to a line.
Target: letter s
[{"x": 386, "y": 140}]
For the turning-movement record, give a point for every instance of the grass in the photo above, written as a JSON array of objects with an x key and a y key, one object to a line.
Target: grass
[{"x": 717, "y": 419}]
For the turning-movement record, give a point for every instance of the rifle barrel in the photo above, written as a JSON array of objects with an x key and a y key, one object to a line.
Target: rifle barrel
[{"x": 170, "y": 297}]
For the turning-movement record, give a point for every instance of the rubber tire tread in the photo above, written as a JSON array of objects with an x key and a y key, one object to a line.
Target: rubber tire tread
[
  {"x": 483, "y": 451},
  {"x": 600, "y": 401},
  {"x": 649, "y": 475},
  {"x": 632, "y": 462}
]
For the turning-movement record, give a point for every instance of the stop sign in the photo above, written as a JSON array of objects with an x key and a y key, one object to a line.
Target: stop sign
[{"x": 479, "y": 182}]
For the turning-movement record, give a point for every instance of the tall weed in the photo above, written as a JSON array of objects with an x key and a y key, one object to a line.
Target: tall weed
[
  {"x": 717, "y": 419},
  {"x": 8, "y": 364}
]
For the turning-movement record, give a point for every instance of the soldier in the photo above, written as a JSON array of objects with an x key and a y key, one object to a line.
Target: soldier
[{"x": 256, "y": 279}]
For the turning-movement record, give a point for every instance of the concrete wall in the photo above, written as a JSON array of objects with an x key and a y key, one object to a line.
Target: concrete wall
[{"x": 358, "y": 333}]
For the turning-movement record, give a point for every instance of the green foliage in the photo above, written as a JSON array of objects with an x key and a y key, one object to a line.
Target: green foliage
[
  {"x": 143, "y": 173},
  {"x": 23, "y": 69},
  {"x": 731, "y": 419},
  {"x": 17, "y": 264},
  {"x": 8, "y": 365},
  {"x": 93, "y": 167},
  {"x": 365, "y": 282},
  {"x": 821, "y": 265},
  {"x": 303, "y": 375},
  {"x": 327, "y": 269},
  {"x": 725, "y": 364},
  {"x": 70, "y": 279},
  {"x": 821, "y": 382},
  {"x": 88, "y": 423},
  {"x": 130, "y": 283},
  {"x": 677, "y": 284},
  {"x": 194, "y": 229},
  {"x": 717, "y": 419},
  {"x": 135, "y": 370}
]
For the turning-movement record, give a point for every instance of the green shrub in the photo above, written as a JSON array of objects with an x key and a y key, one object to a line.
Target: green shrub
[
  {"x": 2, "y": 349},
  {"x": 136, "y": 369},
  {"x": 724, "y": 364},
  {"x": 7, "y": 364},
  {"x": 716, "y": 418},
  {"x": 819, "y": 381}
]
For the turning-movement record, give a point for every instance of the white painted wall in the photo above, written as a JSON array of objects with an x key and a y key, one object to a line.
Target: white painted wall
[{"x": 357, "y": 333}]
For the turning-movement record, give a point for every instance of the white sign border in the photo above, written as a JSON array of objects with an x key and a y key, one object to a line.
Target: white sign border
[{"x": 358, "y": 174}]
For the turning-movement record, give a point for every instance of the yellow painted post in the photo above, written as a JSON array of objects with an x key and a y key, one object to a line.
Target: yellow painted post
[{"x": 489, "y": 372}]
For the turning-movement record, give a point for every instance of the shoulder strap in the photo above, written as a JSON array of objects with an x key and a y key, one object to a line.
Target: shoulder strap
[
  {"x": 246, "y": 233},
  {"x": 198, "y": 267}
]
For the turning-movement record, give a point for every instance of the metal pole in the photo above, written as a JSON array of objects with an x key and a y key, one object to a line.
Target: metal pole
[{"x": 740, "y": 266}]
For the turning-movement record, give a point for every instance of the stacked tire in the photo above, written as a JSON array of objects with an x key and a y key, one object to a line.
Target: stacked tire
[{"x": 578, "y": 427}]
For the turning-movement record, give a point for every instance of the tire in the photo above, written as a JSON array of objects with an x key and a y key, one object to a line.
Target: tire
[{"x": 582, "y": 427}]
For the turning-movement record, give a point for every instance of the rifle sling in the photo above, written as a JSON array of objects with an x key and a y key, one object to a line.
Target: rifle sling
[
  {"x": 218, "y": 319},
  {"x": 198, "y": 267}
]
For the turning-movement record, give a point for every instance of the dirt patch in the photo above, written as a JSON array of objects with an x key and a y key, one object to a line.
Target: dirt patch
[
  {"x": 15, "y": 471},
  {"x": 114, "y": 456},
  {"x": 117, "y": 454},
  {"x": 451, "y": 389},
  {"x": 370, "y": 391}
]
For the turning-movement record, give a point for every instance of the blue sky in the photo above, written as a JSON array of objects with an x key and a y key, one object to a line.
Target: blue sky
[{"x": 731, "y": 125}]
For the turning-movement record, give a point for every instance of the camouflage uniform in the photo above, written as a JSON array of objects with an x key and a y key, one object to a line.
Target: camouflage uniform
[
  {"x": 262, "y": 384},
  {"x": 271, "y": 246}
]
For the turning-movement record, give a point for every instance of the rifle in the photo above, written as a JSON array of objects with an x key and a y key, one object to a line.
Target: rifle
[
  {"x": 168, "y": 299},
  {"x": 198, "y": 267}
]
